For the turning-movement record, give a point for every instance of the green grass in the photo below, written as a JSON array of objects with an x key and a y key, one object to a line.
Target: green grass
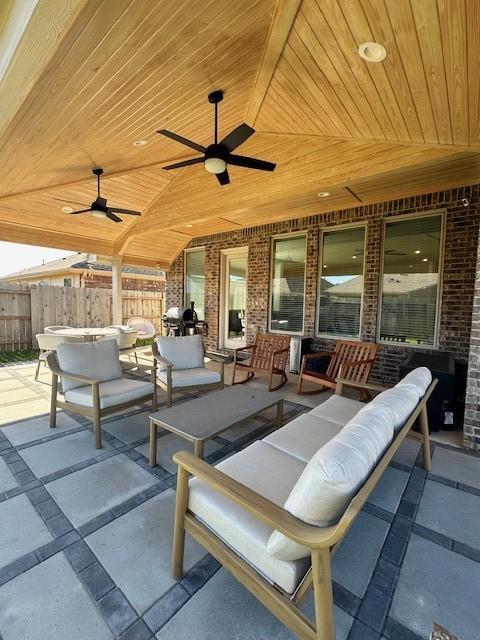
[{"x": 10, "y": 357}]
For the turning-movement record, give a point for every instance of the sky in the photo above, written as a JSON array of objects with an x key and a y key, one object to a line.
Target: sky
[{"x": 15, "y": 257}]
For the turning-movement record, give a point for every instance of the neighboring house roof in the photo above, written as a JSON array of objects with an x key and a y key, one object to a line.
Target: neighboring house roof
[
  {"x": 394, "y": 283},
  {"x": 77, "y": 261}
]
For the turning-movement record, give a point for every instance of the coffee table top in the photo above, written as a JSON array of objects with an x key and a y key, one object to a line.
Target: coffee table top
[{"x": 212, "y": 413}]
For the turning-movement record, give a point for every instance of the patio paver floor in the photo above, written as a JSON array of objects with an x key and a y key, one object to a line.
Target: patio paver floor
[{"x": 406, "y": 563}]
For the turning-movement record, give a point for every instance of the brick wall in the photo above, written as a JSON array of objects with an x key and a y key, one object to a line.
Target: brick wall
[
  {"x": 471, "y": 427},
  {"x": 460, "y": 256},
  {"x": 130, "y": 284}
]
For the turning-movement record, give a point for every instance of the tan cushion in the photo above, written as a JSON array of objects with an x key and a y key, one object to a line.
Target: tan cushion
[
  {"x": 304, "y": 436},
  {"x": 270, "y": 472},
  {"x": 333, "y": 476},
  {"x": 99, "y": 360},
  {"x": 338, "y": 409},
  {"x": 112, "y": 393},
  {"x": 184, "y": 352},
  {"x": 190, "y": 377}
]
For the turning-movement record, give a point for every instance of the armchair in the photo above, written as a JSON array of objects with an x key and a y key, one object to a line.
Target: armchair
[
  {"x": 92, "y": 382},
  {"x": 181, "y": 365},
  {"x": 269, "y": 355}
]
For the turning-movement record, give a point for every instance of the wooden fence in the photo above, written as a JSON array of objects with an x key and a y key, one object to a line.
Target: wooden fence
[{"x": 26, "y": 311}]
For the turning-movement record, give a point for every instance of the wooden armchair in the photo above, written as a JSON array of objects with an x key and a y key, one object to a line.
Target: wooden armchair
[
  {"x": 350, "y": 360},
  {"x": 269, "y": 355}
]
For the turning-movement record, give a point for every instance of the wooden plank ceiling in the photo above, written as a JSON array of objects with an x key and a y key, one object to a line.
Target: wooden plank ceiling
[{"x": 114, "y": 71}]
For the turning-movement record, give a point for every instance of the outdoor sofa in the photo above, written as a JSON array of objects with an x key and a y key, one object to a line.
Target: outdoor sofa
[{"x": 274, "y": 513}]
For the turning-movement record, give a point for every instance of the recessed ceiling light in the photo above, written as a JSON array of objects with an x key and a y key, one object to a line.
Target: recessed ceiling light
[
  {"x": 189, "y": 226},
  {"x": 354, "y": 257},
  {"x": 372, "y": 51},
  {"x": 417, "y": 251},
  {"x": 325, "y": 266},
  {"x": 323, "y": 194},
  {"x": 140, "y": 143},
  {"x": 425, "y": 260},
  {"x": 67, "y": 209}
]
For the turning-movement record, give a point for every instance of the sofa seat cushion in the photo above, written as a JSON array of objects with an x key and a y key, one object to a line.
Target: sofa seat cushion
[
  {"x": 269, "y": 472},
  {"x": 333, "y": 476},
  {"x": 112, "y": 393},
  {"x": 304, "y": 436},
  {"x": 338, "y": 409},
  {"x": 99, "y": 360},
  {"x": 184, "y": 352},
  {"x": 190, "y": 377}
]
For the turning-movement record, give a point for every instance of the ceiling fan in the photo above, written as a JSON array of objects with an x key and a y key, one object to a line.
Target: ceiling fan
[
  {"x": 218, "y": 155},
  {"x": 99, "y": 208}
]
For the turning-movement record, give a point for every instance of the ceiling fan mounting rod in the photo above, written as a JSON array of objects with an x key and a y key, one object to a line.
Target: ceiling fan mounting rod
[
  {"x": 98, "y": 172},
  {"x": 214, "y": 98}
]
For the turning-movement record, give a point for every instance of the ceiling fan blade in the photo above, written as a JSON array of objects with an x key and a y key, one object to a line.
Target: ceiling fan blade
[
  {"x": 182, "y": 140},
  {"x": 127, "y": 212},
  {"x": 70, "y": 201},
  {"x": 223, "y": 178},
  {"x": 184, "y": 163},
  {"x": 112, "y": 216},
  {"x": 73, "y": 213},
  {"x": 250, "y": 163},
  {"x": 237, "y": 137}
]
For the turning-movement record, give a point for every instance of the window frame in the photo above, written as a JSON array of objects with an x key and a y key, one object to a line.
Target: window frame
[
  {"x": 323, "y": 230},
  {"x": 185, "y": 251},
  {"x": 293, "y": 234},
  {"x": 441, "y": 213}
]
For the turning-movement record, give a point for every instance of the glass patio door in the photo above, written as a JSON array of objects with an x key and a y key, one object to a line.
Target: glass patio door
[{"x": 234, "y": 297}]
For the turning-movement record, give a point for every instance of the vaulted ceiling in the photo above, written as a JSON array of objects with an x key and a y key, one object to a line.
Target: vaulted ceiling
[{"x": 82, "y": 80}]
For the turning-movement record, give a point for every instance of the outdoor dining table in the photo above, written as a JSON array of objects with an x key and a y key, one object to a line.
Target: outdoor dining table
[{"x": 91, "y": 333}]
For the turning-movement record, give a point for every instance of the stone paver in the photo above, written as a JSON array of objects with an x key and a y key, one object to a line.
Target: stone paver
[
  {"x": 407, "y": 453},
  {"x": 225, "y": 609},
  {"x": 7, "y": 479},
  {"x": 21, "y": 529},
  {"x": 23, "y": 410},
  {"x": 388, "y": 492},
  {"x": 52, "y": 456},
  {"x": 36, "y": 428},
  {"x": 437, "y": 585},
  {"x": 89, "y": 492},
  {"x": 456, "y": 466},
  {"x": 48, "y": 601},
  {"x": 170, "y": 444},
  {"x": 451, "y": 512},
  {"x": 136, "y": 550},
  {"x": 129, "y": 429}
]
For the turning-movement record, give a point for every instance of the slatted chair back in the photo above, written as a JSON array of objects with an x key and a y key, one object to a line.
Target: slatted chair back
[
  {"x": 352, "y": 351},
  {"x": 267, "y": 344}
]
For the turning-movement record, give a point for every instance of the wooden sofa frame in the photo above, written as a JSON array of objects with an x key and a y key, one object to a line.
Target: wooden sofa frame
[
  {"x": 94, "y": 412},
  {"x": 321, "y": 541},
  {"x": 351, "y": 360},
  {"x": 269, "y": 355},
  {"x": 169, "y": 388}
]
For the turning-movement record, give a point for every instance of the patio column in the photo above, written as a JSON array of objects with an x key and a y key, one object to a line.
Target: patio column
[{"x": 117, "y": 289}]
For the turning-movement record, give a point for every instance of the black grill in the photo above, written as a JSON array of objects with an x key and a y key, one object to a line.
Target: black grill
[{"x": 183, "y": 322}]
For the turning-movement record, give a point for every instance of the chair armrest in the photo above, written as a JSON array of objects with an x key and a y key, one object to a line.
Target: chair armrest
[
  {"x": 158, "y": 358},
  {"x": 227, "y": 359},
  {"x": 353, "y": 364},
  {"x": 146, "y": 368},
  {"x": 367, "y": 386},
  {"x": 260, "y": 507},
  {"x": 250, "y": 347},
  {"x": 318, "y": 354}
]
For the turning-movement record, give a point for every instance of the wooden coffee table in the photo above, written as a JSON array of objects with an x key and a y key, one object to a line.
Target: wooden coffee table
[{"x": 202, "y": 418}]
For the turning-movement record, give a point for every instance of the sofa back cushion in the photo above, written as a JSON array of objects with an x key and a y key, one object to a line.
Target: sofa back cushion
[
  {"x": 334, "y": 475},
  {"x": 184, "y": 352},
  {"x": 99, "y": 360},
  {"x": 419, "y": 378}
]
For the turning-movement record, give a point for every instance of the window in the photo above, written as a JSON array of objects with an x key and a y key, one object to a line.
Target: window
[
  {"x": 288, "y": 284},
  {"x": 412, "y": 258},
  {"x": 195, "y": 280},
  {"x": 67, "y": 282},
  {"x": 341, "y": 282}
]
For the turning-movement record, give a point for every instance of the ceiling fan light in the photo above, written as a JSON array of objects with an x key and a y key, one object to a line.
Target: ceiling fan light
[
  {"x": 215, "y": 165},
  {"x": 97, "y": 213}
]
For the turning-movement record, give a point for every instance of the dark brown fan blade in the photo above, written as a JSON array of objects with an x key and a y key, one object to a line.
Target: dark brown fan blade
[
  {"x": 112, "y": 216},
  {"x": 223, "y": 178},
  {"x": 127, "y": 212},
  {"x": 70, "y": 201},
  {"x": 237, "y": 137},
  {"x": 184, "y": 163},
  {"x": 182, "y": 140},
  {"x": 73, "y": 213},
  {"x": 251, "y": 163}
]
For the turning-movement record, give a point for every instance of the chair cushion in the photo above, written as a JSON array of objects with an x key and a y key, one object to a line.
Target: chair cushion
[
  {"x": 240, "y": 530},
  {"x": 184, "y": 352},
  {"x": 402, "y": 400},
  {"x": 304, "y": 436},
  {"x": 99, "y": 360},
  {"x": 190, "y": 377},
  {"x": 332, "y": 477},
  {"x": 112, "y": 393},
  {"x": 338, "y": 409},
  {"x": 420, "y": 378}
]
